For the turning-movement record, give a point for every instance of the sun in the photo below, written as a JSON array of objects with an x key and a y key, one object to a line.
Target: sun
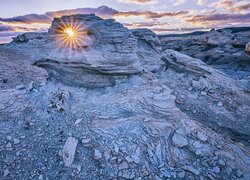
[
  {"x": 71, "y": 37},
  {"x": 70, "y": 33}
]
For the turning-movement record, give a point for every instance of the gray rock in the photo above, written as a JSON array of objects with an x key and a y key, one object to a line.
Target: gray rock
[
  {"x": 220, "y": 104},
  {"x": 179, "y": 140},
  {"x": 6, "y": 172},
  {"x": 222, "y": 162},
  {"x": 97, "y": 154},
  {"x": 124, "y": 165},
  {"x": 201, "y": 136},
  {"x": 9, "y": 145},
  {"x": 69, "y": 150},
  {"x": 203, "y": 93},
  {"x": 181, "y": 174},
  {"x": 86, "y": 142},
  {"x": 135, "y": 158},
  {"x": 9, "y": 138},
  {"x": 78, "y": 121},
  {"x": 216, "y": 169},
  {"x": 16, "y": 141},
  {"x": 191, "y": 169}
]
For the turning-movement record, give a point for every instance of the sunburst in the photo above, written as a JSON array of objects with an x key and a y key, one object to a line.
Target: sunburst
[{"x": 71, "y": 38}]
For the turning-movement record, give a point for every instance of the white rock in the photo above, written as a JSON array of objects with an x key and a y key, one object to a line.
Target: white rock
[
  {"x": 9, "y": 138},
  {"x": 247, "y": 47},
  {"x": 203, "y": 93},
  {"x": 97, "y": 154},
  {"x": 116, "y": 149},
  {"x": 220, "y": 104},
  {"x": 216, "y": 169},
  {"x": 222, "y": 162},
  {"x": 129, "y": 159},
  {"x": 179, "y": 140},
  {"x": 197, "y": 145},
  {"x": 122, "y": 166},
  {"x": 9, "y": 145},
  {"x": 135, "y": 158},
  {"x": 78, "y": 167},
  {"x": 191, "y": 169},
  {"x": 86, "y": 141},
  {"x": 181, "y": 174},
  {"x": 40, "y": 177},
  {"x": 201, "y": 136},
  {"x": 78, "y": 121},
  {"x": 6, "y": 172},
  {"x": 69, "y": 150},
  {"x": 16, "y": 141}
]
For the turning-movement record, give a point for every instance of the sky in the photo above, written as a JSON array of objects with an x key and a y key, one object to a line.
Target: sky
[{"x": 161, "y": 16}]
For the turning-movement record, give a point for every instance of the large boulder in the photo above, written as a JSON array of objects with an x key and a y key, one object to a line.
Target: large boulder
[{"x": 102, "y": 51}]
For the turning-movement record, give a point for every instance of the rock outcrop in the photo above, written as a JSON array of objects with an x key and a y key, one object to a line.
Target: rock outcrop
[
  {"x": 223, "y": 49},
  {"x": 247, "y": 47},
  {"x": 118, "y": 106},
  {"x": 105, "y": 51}
]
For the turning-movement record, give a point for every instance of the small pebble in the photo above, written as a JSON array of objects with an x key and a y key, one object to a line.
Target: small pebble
[{"x": 16, "y": 141}]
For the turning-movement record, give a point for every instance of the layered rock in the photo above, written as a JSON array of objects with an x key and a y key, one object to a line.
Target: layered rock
[
  {"x": 104, "y": 51},
  {"x": 157, "y": 114}
]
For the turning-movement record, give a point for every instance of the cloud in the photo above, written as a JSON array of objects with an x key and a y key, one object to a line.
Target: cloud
[
  {"x": 179, "y": 2},
  {"x": 219, "y": 18},
  {"x": 234, "y": 13},
  {"x": 150, "y": 14},
  {"x": 232, "y": 5},
  {"x": 178, "y": 30},
  {"x": 102, "y": 11},
  {"x": 145, "y": 24},
  {"x": 243, "y": 7},
  {"x": 142, "y": 2},
  {"x": 4, "y": 28},
  {"x": 201, "y": 2}
]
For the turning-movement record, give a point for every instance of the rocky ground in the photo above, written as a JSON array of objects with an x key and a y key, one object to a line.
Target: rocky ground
[{"x": 118, "y": 105}]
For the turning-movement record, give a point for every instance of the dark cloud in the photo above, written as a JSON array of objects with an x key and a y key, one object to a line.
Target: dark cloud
[
  {"x": 102, "y": 11},
  {"x": 5, "y": 28},
  {"x": 30, "y": 18}
]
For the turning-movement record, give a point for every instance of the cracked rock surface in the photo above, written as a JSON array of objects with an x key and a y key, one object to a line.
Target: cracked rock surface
[{"x": 123, "y": 109}]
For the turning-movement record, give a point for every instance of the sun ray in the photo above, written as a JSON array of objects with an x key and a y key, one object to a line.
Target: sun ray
[{"x": 71, "y": 38}]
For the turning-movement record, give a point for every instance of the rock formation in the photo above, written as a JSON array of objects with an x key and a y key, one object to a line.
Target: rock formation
[
  {"x": 247, "y": 47},
  {"x": 224, "y": 49},
  {"x": 135, "y": 110}
]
